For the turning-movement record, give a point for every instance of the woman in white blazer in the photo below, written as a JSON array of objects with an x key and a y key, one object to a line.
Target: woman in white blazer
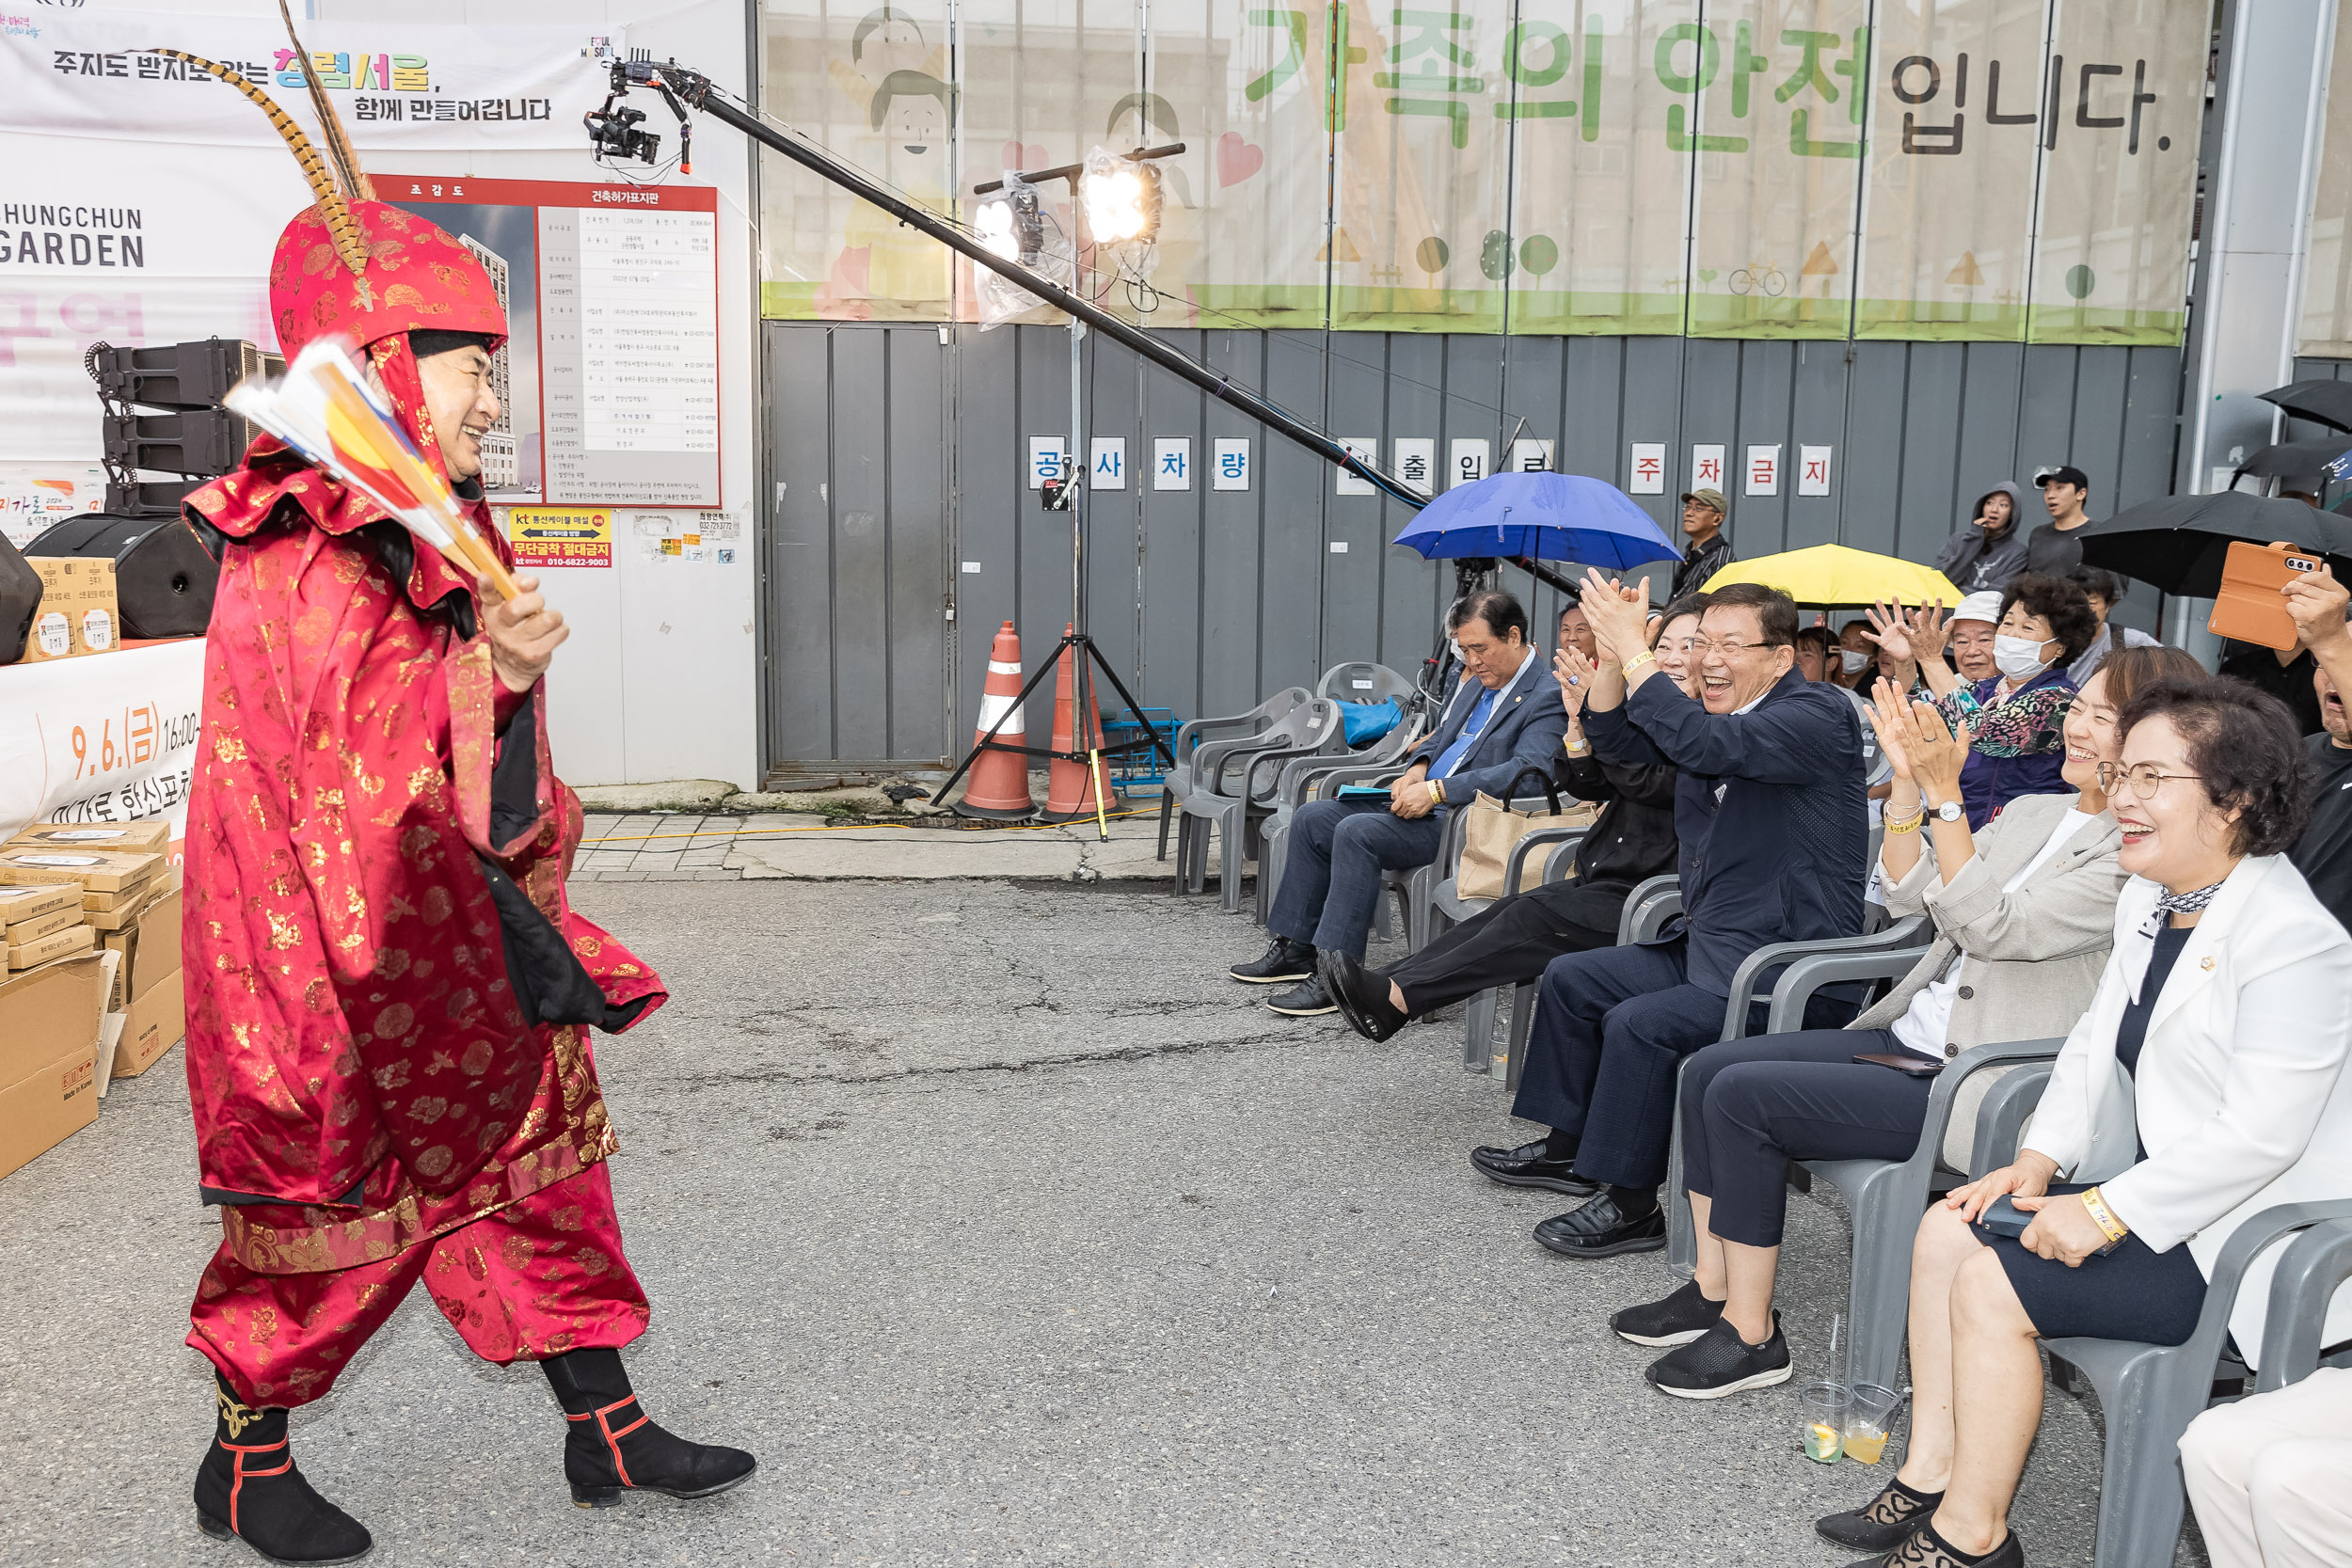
[{"x": 2204, "y": 1084}]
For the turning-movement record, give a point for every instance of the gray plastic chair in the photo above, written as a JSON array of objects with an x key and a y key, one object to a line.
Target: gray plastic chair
[
  {"x": 1478, "y": 1028},
  {"x": 1231, "y": 781},
  {"x": 1363, "y": 681},
  {"x": 2150, "y": 1393},
  {"x": 1198, "y": 732},
  {"x": 2315, "y": 1266},
  {"x": 1911, "y": 936}
]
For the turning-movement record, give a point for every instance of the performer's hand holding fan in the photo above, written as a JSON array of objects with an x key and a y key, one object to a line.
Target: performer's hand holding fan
[{"x": 327, "y": 411}]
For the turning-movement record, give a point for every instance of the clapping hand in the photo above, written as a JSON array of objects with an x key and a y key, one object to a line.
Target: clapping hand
[
  {"x": 1619, "y": 615},
  {"x": 1892, "y": 725},
  {"x": 1936, "y": 754},
  {"x": 1574, "y": 672}
]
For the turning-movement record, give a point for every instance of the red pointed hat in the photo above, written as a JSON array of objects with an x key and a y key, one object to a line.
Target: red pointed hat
[{"x": 417, "y": 276}]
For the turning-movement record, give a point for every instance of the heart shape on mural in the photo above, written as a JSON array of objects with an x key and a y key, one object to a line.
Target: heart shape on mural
[
  {"x": 1236, "y": 159},
  {"x": 1706, "y": 275},
  {"x": 1018, "y": 157}
]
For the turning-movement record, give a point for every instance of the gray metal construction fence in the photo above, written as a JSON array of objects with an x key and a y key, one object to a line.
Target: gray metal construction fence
[{"x": 902, "y": 527}]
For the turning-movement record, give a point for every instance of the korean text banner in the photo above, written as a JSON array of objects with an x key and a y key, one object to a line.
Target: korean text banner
[
  {"x": 1988, "y": 169},
  {"x": 396, "y": 84}
]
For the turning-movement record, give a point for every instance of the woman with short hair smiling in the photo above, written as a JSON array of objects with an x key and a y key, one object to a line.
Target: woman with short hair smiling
[{"x": 2204, "y": 1085}]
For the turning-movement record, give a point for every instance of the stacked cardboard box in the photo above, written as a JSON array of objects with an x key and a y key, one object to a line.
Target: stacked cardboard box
[{"x": 92, "y": 916}]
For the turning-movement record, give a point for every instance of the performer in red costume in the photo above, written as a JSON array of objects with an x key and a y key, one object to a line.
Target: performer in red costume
[{"x": 389, "y": 994}]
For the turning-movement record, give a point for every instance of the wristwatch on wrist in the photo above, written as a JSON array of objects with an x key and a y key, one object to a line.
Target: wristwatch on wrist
[{"x": 1950, "y": 811}]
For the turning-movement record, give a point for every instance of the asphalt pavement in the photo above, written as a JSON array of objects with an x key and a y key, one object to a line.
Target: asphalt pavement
[{"x": 1005, "y": 1229}]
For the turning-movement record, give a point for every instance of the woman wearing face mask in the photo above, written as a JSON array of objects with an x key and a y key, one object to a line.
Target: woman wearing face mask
[
  {"x": 1851, "y": 664},
  {"x": 2204, "y": 1085},
  {"x": 1990, "y": 550},
  {"x": 2015, "y": 716}
]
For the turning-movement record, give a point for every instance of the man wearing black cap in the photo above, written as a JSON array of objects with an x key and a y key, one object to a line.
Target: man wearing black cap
[
  {"x": 1711, "y": 553},
  {"x": 2056, "y": 549}
]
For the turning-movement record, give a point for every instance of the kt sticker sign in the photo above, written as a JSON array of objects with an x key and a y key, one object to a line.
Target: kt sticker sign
[{"x": 561, "y": 535}]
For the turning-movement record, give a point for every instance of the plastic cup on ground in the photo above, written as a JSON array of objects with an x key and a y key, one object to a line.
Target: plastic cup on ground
[
  {"x": 1821, "y": 1411},
  {"x": 1869, "y": 1417}
]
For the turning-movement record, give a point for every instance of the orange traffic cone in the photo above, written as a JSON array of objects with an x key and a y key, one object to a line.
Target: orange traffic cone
[
  {"x": 998, "y": 785},
  {"x": 1071, "y": 792}
]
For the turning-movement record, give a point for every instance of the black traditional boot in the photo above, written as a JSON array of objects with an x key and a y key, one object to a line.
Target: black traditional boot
[
  {"x": 614, "y": 1446},
  {"x": 249, "y": 1487}
]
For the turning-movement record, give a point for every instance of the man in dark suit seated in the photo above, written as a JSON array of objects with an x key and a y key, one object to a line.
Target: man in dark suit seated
[
  {"x": 1499, "y": 720},
  {"x": 1774, "y": 831}
]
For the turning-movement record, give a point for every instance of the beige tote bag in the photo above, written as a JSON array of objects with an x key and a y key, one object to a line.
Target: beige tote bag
[{"x": 1491, "y": 829}]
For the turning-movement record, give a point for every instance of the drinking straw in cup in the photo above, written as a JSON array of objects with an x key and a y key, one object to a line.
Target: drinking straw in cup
[
  {"x": 1869, "y": 1417},
  {"x": 1821, "y": 1410}
]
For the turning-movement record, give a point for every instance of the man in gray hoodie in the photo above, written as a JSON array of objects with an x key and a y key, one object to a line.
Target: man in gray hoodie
[{"x": 1990, "y": 550}]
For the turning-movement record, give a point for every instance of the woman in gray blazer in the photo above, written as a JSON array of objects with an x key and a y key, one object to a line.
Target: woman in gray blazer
[{"x": 2024, "y": 912}]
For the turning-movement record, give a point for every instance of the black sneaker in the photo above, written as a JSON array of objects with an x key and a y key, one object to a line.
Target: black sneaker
[
  {"x": 1884, "y": 1523},
  {"x": 1283, "y": 960},
  {"x": 1675, "y": 1321},
  {"x": 1305, "y": 1001},
  {"x": 1719, "y": 1362}
]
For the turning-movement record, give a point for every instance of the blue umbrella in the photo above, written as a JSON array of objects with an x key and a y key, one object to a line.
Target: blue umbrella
[{"x": 1547, "y": 516}]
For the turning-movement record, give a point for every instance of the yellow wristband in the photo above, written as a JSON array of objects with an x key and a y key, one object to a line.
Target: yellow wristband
[
  {"x": 1645, "y": 656},
  {"x": 1436, "y": 790},
  {"x": 2103, "y": 1217},
  {"x": 1910, "y": 827}
]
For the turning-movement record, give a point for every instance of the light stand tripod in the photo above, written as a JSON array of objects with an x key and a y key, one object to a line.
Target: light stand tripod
[{"x": 1086, "y": 737}]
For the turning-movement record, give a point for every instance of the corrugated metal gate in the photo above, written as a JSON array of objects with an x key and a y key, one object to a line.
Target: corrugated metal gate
[{"x": 902, "y": 530}]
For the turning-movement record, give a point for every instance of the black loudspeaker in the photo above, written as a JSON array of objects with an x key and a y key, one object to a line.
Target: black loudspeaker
[
  {"x": 164, "y": 577},
  {"x": 20, "y": 597}
]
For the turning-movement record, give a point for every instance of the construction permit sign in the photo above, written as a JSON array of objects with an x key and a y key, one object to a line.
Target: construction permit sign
[{"x": 561, "y": 535}]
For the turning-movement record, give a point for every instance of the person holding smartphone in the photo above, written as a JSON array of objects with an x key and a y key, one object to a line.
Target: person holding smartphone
[
  {"x": 2024, "y": 913},
  {"x": 2204, "y": 1085}
]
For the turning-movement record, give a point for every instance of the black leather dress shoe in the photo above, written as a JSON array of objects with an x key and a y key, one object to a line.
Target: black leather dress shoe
[
  {"x": 1282, "y": 961},
  {"x": 1362, "y": 999},
  {"x": 1530, "y": 1166},
  {"x": 1306, "y": 1001},
  {"x": 1600, "y": 1230}
]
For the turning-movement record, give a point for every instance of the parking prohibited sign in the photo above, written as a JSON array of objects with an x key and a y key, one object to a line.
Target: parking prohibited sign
[{"x": 561, "y": 535}]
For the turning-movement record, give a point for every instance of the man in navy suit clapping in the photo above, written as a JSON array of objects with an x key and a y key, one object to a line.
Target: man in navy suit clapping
[
  {"x": 1773, "y": 831},
  {"x": 1496, "y": 725}
]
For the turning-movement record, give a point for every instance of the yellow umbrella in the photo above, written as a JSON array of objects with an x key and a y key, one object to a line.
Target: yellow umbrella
[{"x": 1831, "y": 576}]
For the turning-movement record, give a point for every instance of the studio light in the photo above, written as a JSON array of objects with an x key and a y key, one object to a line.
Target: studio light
[{"x": 1121, "y": 197}]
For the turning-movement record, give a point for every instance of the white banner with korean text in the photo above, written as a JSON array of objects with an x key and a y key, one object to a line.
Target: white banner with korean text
[
  {"x": 395, "y": 85},
  {"x": 106, "y": 737}
]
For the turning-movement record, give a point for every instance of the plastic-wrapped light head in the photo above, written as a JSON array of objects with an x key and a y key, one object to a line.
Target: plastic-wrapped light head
[
  {"x": 1122, "y": 200},
  {"x": 994, "y": 223}
]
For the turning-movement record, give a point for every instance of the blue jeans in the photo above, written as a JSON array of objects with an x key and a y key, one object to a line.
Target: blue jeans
[{"x": 1332, "y": 873}]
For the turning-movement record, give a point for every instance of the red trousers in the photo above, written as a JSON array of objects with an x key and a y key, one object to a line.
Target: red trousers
[{"x": 535, "y": 1279}]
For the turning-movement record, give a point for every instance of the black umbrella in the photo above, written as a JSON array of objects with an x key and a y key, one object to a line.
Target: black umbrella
[
  {"x": 2177, "y": 543},
  {"x": 2323, "y": 457},
  {"x": 2329, "y": 402}
]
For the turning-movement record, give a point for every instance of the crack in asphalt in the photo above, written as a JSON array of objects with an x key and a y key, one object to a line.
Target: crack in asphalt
[{"x": 1076, "y": 1059}]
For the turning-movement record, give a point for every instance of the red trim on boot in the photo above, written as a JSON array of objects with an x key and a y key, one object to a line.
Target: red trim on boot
[
  {"x": 612, "y": 1438},
  {"x": 237, "y": 1472}
]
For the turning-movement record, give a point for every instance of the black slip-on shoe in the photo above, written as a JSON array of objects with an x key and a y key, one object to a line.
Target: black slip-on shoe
[
  {"x": 1719, "y": 1362},
  {"x": 1308, "y": 1001},
  {"x": 1678, "y": 1320},
  {"x": 1882, "y": 1524},
  {"x": 1599, "y": 1230},
  {"x": 1362, "y": 998},
  {"x": 1284, "y": 960},
  {"x": 1530, "y": 1166},
  {"x": 1923, "y": 1548}
]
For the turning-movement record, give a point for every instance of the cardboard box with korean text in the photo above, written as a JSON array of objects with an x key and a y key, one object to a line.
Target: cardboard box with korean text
[
  {"x": 156, "y": 1019},
  {"x": 77, "y": 612},
  {"x": 49, "y": 1031},
  {"x": 149, "y": 833}
]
